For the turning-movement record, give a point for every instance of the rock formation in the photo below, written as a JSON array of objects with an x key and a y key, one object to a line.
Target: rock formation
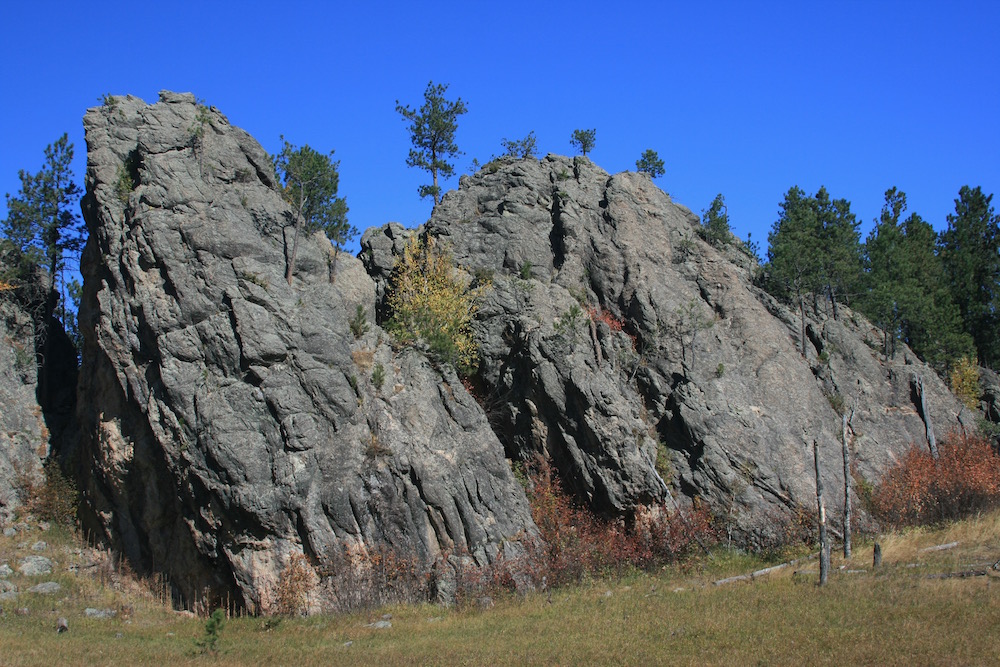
[
  {"x": 36, "y": 400},
  {"x": 613, "y": 327},
  {"x": 228, "y": 420},
  {"x": 23, "y": 436}
]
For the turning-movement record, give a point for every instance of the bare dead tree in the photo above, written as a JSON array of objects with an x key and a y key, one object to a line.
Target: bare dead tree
[
  {"x": 847, "y": 486},
  {"x": 824, "y": 545},
  {"x": 918, "y": 383}
]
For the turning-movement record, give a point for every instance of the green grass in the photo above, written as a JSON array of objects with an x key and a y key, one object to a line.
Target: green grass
[{"x": 892, "y": 616}]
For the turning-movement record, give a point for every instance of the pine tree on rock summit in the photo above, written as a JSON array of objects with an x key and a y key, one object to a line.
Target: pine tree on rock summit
[
  {"x": 309, "y": 184},
  {"x": 432, "y": 131}
]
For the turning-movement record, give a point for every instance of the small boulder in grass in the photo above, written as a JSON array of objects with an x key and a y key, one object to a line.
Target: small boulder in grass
[
  {"x": 62, "y": 625},
  {"x": 32, "y": 566},
  {"x": 46, "y": 588}
]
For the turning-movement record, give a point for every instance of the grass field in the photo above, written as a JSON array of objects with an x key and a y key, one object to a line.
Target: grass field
[{"x": 896, "y": 615}]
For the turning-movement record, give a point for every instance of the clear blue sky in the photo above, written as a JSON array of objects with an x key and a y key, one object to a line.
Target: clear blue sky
[{"x": 742, "y": 98}]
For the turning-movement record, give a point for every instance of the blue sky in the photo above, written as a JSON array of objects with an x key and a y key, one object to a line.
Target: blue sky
[{"x": 746, "y": 99}]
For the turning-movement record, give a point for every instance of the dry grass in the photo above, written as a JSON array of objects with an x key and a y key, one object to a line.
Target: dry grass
[{"x": 892, "y": 616}]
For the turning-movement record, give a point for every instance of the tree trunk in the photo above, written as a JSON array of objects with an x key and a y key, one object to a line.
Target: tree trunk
[
  {"x": 299, "y": 221},
  {"x": 802, "y": 315},
  {"x": 847, "y": 487},
  {"x": 824, "y": 546},
  {"x": 290, "y": 265},
  {"x": 597, "y": 343},
  {"x": 918, "y": 382}
]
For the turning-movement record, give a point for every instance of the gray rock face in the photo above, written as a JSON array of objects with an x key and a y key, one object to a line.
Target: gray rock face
[
  {"x": 229, "y": 420},
  {"x": 23, "y": 439},
  {"x": 613, "y": 326}
]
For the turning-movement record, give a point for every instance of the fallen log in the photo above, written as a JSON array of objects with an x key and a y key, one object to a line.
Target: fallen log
[{"x": 765, "y": 571}]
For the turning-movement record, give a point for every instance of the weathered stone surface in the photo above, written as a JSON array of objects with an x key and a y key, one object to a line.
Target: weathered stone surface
[
  {"x": 229, "y": 420},
  {"x": 46, "y": 588},
  {"x": 23, "y": 439},
  {"x": 705, "y": 362},
  {"x": 32, "y": 566}
]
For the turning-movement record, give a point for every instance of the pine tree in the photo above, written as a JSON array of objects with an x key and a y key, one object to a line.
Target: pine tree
[
  {"x": 794, "y": 253},
  {"x": 432, "y": 131},
  {"x": 970, "y": 250},
  {"x": 715, "y": 223},
  {"x": 42, "y": 226},
  {"x": 309, "y": 184},
  {"x": 840, "y": 259},
  {"x": 650, "y": 163},
  {"x": 907, "y": 294},
  {"x": 583, "y": 140}
]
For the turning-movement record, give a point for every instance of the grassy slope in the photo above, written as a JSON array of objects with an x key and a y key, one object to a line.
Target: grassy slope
[{"x": 892, "y": 616}]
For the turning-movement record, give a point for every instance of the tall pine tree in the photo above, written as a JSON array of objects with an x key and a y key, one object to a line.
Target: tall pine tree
[
  {"x": 793, "y": 254},
  {"x": 814, "y": 249},
  {"x": 840, "y": 259},
  {"x": 970, "y": 250},
  {"x": 42, "y": 225},
  {"x": 907, "y": 294}
]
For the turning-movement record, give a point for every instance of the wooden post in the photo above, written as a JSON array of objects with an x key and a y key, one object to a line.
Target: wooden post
[
  {"x": 847, "y": 487},
  {"x": 877, "y": 555},
  {"x": 824, "y": 546}
]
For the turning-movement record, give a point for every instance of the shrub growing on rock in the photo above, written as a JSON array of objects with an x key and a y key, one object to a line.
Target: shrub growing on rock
[{"x": 432, "y": 305}]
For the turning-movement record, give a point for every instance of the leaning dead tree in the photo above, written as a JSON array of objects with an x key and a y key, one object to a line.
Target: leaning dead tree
[
  {"x": 824, "y": 545},
  {"x": 918, "y": 384}
]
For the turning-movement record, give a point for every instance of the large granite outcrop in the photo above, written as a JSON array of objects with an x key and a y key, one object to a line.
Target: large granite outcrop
[
  {"x": 229, "y": 420},
  {"x": 613, "y": 327}
]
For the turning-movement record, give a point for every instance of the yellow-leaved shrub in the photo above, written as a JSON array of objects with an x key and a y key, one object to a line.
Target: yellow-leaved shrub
[
  {"x": 964, "y": 382},
  {"x": 431, "y": 303}
]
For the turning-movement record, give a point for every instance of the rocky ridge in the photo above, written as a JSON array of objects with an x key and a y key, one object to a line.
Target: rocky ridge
[{"x": 613, "y": 327}]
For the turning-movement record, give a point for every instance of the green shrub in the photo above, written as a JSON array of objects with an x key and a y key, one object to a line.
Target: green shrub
[
  {"x": 209, "y": 642},
  {"x": 378, "y": 375},
  {"x": 359, "y": 323}
]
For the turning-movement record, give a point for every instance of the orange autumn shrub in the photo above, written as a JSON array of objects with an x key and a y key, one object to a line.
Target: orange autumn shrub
[
  {"x": 920, "y": 491},
  {"x": 576, "y": 543}
]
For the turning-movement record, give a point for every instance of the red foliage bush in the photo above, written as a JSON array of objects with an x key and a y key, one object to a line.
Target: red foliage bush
[
  {"x": 576, "y": 543},
  {"x": 598, "y": 315},
  {"x": 965, "y": 479}
]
